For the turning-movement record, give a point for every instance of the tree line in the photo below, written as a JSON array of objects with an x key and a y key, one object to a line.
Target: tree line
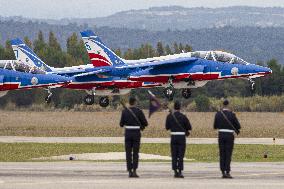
[{"x": 51, "y": 52}]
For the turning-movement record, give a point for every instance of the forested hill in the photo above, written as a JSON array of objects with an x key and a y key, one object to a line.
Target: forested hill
[
  {"x": 251, "y": 43},
  {"x": 180, "y": 18}
]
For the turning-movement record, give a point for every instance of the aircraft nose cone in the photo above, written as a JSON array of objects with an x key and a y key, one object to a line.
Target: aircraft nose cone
[
  {"x": 262, "y": 69},
  {"x": 267, "y": 70}
]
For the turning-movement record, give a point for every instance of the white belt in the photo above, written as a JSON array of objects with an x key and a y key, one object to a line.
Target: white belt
[
  {"x": 177, "y": 133},
  {"x": 226, "y": 131},
  {"x": 132, "y": 127}
]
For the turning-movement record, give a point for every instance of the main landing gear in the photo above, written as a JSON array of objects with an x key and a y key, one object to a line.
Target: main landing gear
[
  {"x": 104, "y": 101},
  {"x": 186, "y": 93},
  {"x": 169, "y": 92},
  {"x": 90, "y": 100},
  {"x": 48, "y": 97}
]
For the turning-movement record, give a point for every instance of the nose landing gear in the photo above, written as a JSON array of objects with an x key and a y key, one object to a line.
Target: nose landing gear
[
  {"x": 48, "y": 97},
  {"x": 252, "y": 82}
]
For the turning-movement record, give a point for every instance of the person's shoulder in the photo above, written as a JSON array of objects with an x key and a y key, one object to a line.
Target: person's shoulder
[
  {"x": 136, "y": 109},
  {"x": 169, "y": 115},
  {"x": 228, "y": 111},
  {"x": 181, "y": 114},
  {"x": 218, "y": 113}
]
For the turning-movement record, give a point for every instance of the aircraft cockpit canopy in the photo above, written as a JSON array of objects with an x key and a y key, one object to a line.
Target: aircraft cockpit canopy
[
  {"x": 20, "y": 67},
  {"x": 219, "y": 56}
]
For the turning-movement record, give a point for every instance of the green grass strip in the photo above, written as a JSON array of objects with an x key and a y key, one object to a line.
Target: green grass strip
[{"x": 17, "y": 152}]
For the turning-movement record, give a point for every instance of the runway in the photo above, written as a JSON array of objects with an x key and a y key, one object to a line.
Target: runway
[
  {"x": 120, "y": 140},
  {"x": 152, "y": 175}
]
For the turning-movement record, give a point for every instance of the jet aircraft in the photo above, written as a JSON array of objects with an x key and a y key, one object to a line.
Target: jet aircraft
[
  {"x": 184, "y": 71},
  {"x": 15, "y": 75},
  {"x": 96, "y": 84}
]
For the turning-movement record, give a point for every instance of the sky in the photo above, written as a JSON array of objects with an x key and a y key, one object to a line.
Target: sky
[{"x": 57, "y": 9}]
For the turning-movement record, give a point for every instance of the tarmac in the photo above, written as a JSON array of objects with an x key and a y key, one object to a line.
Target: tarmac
[
  {"x": 120, "y": 140},
  {"x": 108, "y": 156},
  {"x": 80, "y": 174}
]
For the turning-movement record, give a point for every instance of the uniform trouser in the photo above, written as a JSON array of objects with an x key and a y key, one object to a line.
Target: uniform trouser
[
  {"x": 226, "y": 145},
  {"x": 178, "y": 146},
  {"x": 132, "y": 146}
]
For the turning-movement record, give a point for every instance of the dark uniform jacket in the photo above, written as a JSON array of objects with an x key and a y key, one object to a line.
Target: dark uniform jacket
[
  {"x": 221, "y": 123},
  {"x": 127, "y": 119},
  {"x": 172, "y": 125}
]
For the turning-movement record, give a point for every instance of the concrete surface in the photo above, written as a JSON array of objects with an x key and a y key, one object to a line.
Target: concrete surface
[
  {"x": 105, "y": 157},
  {"x": 14, "y": 139},
  {"x": 74, "y": 174}
]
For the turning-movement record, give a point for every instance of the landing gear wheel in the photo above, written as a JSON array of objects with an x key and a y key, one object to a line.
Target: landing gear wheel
[
  {"x": 169, "y": 92},
  {"x": 252, "y": 88},
  {"x": 47, "y": 99},
  {"x": 89, "y": 100},
  {"x": 104, "y": 101},
  {"x": 186, "y": 93}
]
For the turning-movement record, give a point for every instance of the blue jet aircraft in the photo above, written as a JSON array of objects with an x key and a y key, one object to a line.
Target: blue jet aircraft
[
  {"x": 16, "y": 75},
  {"x": 103, "y": 86},
  {"x": 184, "y": 71}
]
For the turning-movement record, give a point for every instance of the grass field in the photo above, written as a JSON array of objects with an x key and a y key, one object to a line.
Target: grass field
[
  {"x": 106, "y": 124},
  {"x": 201, "y": 153}
]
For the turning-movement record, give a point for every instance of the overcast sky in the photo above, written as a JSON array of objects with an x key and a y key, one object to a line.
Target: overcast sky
[{"x": 98, "y": 8}]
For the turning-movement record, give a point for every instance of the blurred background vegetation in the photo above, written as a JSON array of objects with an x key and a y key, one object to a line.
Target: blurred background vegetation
[{"x": 268, "y": 95}]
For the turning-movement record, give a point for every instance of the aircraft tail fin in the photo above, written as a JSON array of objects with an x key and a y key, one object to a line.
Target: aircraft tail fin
[
  {"x": 99, "y": 53},
  {"x": 24, "y": 54}
]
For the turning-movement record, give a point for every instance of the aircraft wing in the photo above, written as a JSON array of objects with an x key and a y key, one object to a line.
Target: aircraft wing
[
  {"x": 160, "y": 63},
  {"x": 95, "y": 72},
  {"x": 146, "y": 65}
]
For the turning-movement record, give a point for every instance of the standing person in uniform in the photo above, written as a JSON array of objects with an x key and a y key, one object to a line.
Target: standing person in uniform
[
  {"x": 133, "y": 120},
  {"x": 227, "y": 124},
  {"x": 179, "y": 126}
]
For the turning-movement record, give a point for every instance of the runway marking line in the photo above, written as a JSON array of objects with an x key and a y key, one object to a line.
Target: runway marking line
[
  {"x": 145, "y": 178},
  {"x": 260, "y": 174}
]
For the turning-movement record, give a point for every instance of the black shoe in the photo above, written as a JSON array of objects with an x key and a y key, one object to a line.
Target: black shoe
[
  {"x": 228, "y": 175},
  {"x": 134, "y": 174},
  {"x": 176, "y": 174},
  {"x": 224, "y": 174},
  {"x": 130, "y": 174},
  {"x": 180, "y": 174}
]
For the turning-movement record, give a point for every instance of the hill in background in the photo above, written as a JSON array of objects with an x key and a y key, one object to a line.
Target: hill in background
[
  {"x": 180, "y": 18},
  {"x": 254, "y": 34},
  {"x": 250, "y": 43}
]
